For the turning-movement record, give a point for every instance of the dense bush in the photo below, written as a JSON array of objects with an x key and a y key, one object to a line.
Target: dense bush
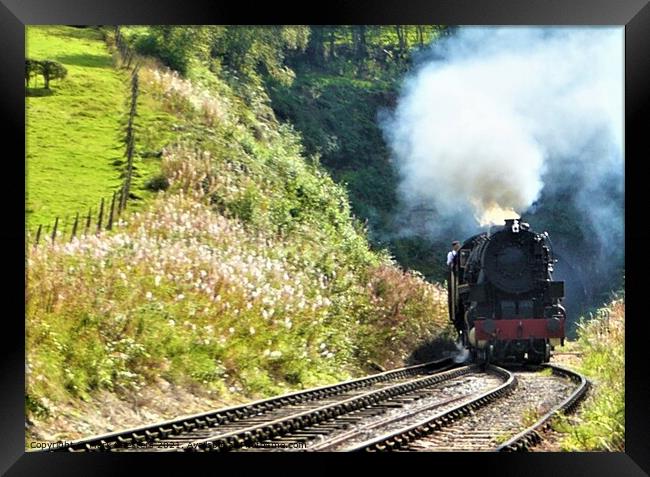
[
  {"x": 157, "y": 183},
  {"x": 245, "y": 50}
]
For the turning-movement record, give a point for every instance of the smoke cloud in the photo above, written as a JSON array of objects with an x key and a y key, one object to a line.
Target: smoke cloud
[{"x": 491, "y": 119}]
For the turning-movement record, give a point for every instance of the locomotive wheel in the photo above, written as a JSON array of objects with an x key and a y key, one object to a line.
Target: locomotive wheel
[
  {"x": 489, "y": 354},
  {"x": 547, "y": 353},
  {"x": 482, "y": 356}
]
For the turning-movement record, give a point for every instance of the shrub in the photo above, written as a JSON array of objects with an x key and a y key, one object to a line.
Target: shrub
[{"x": 157, "y": 183}]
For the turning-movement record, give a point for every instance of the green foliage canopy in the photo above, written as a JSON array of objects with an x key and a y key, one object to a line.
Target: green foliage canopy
[
  {"x": 49, "y": 69},
  {"x": 246, "y": 50}
]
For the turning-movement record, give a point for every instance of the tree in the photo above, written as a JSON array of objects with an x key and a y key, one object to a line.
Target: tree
[
  {"x": 359, "y": 41},
  {"x": 52, "y": 70},
  {"x": 401, "y": 38},
  {"x": 331, "y": 39},
  {"x": 32, "y": 68},
  {"x": 420, "y": 30},
  {"x": 316, "y": 46},
  {"x": 248, "y": 48}
]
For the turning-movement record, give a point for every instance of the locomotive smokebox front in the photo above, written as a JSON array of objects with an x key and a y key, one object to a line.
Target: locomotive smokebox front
[{"x": 507, "y": 258}]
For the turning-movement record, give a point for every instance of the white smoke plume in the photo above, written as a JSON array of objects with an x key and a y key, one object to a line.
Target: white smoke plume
[
  {"x": 491, "y": 117},
  {"x": 462, "y": 353}
]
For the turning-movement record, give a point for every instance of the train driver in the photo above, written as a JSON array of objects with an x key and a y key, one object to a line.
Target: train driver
[{"x": 455, "y": 247}]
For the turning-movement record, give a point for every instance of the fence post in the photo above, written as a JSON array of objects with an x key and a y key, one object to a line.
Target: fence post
[
  {"x": 109, "y": 226},
  {"x": 74, "y": 226},
  {"x": 118, "y": 37},
  {"x": 120, "y": 201},
  {"x": 101, "y": 216},
  {"x": 38, "y": 234},
  {"x": 130, "y": 137},
  {"x": 88, "y": 221},
  {"x": 56, "y": 224}
]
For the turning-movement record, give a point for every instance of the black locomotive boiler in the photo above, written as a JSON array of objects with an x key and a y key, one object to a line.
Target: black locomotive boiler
[{"x": 502, "y": 297}]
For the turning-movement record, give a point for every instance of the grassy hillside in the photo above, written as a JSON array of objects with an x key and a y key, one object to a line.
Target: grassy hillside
[
  {"x": 244, "y": 276},
  {"x": 75, "y": 131}
]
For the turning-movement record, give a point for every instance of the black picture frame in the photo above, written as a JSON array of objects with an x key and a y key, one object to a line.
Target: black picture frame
[{"x": 634, "y": 15}]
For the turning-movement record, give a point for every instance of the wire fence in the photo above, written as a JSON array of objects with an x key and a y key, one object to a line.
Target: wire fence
[{"x": 108, "y": 211}]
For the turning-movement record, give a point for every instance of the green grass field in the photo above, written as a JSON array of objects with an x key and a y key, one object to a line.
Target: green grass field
[{"x": 74, "y": 133}]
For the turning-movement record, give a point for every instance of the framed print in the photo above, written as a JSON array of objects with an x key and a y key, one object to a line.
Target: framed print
[{"x": 377, "y": 228}]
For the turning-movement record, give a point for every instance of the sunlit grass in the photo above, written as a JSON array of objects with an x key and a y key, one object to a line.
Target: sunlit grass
[{"x": 74, "y": 133}]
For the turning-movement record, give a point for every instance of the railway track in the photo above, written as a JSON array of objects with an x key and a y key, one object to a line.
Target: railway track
[
  {"x": 494, "y": 427},
  {"x": 336, "y": 433},
  {"x": 532, "y": 434},
  {"x": 291, "y": 425},
  {"x": 233, "y": 427},
  {"x": 436, "y": 406}
]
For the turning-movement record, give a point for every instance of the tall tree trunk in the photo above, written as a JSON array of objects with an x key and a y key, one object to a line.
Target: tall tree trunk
[
  {"x": 316, "y": 46},
  {"x": 400, "y": 39},
  {"x": 360, "y": 41}
]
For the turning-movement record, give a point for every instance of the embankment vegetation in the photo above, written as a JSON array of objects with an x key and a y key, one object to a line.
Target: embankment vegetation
[
  {"x": 600, "y": 422},
  {"x": 243, "y": 273}
]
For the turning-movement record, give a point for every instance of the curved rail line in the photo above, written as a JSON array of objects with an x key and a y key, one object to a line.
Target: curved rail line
[
  {"x": 531, "y": 436},
  {"x": 422, "y": 428},
  {"x": 286, "y": 425},
  {"x": 435, "y": 398},
  {"x": 331, "y": 433},
  {"x": 408, "y": 435},
  {"x": 257, "y": 410}
]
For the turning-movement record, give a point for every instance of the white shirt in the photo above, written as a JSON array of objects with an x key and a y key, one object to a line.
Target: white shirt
[{"x": 450, "y": 257}]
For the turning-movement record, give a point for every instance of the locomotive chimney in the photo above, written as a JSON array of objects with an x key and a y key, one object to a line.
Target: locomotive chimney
[{"x": 515, "y": 225}]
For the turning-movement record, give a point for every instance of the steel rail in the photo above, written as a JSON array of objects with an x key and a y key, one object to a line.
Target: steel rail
[
  {"x": 404, "y": 436},
  {"x": 149, "y": 433},
  {"x": 328, "y": 444},
  {"x": 285, "y": 425},
  {"x": 531, "y": 436}
]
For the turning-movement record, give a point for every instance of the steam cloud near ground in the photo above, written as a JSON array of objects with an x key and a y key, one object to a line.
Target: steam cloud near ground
[{"x": 491, "y": 118}]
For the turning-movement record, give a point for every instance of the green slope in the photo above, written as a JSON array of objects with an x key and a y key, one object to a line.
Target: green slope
[{"x": 74, "y": 133}]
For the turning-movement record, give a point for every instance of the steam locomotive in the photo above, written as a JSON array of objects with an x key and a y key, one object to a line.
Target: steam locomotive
[{"x": 502, "y": 298}]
